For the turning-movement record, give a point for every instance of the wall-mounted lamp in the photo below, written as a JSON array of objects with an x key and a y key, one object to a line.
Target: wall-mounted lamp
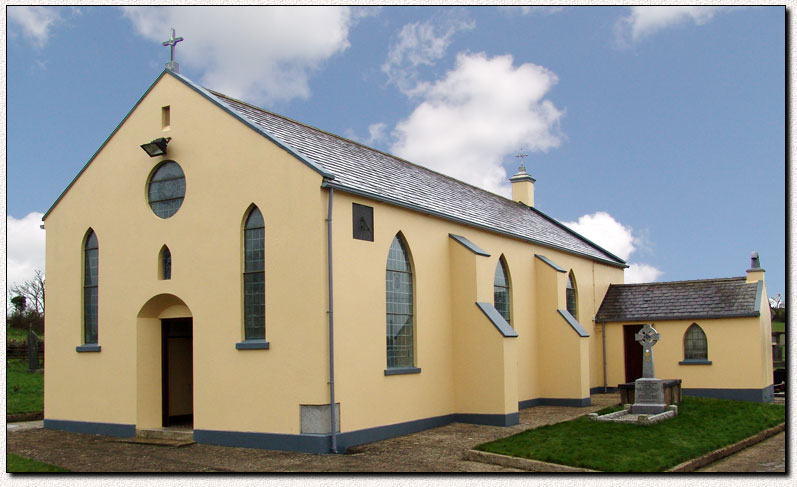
[{"x": 157, "y": 147}]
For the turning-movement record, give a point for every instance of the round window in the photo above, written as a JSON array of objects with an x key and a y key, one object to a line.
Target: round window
[{"x": 166, "y": 189}]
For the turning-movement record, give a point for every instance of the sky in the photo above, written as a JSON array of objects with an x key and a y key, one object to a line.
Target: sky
[{"x": 656, "y": 132}]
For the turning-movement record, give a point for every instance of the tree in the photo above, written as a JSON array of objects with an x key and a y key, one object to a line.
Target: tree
[
  {"x": 777, "y": 307},
  {"x": 32, "y": 291}
]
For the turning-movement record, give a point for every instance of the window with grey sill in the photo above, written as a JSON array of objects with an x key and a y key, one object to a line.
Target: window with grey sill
[
  {"x": 571, "y": 295},
  {"x": 695, "y": 345},
  {"x": 399, "y": 307},
  {"x": 91, "y": 264},
  {"x": 254, "y": 277},
  {"x": 501, "y": 294}
]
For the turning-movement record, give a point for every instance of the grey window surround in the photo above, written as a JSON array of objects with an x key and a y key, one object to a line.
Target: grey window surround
[
  {"x": 694, "y": 362},
  {"x": 403, "y": 371},
  {"x": 252, "y": 345},
  {"x": 89, "y": 347}
]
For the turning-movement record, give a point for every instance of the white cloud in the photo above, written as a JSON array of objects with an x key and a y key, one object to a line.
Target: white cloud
[
  {"x": 35, "y": 21},
  {"x": 376, "y": 133},
  {"x": 420, "y": 44},
  {"x": 637, "y": 273},
  {"x": 25, "y": 247},
  {"x": 529, "y": 10},
  {"x": 482, "y": 110},
  {"x": 618, "y": 239},
  {"x": 261, "y": 54},
  {"x": 643, "y": 21}
]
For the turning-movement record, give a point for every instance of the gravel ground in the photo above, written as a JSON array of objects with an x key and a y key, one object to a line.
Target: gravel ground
[
  {"x": 767, "y": 456},
  {"x": 435, "y": 450}
]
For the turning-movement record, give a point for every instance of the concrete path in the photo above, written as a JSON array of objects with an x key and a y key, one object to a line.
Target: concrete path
[
  {"x": 25, "y": 425},
  {"x": 767, "y": 456}
]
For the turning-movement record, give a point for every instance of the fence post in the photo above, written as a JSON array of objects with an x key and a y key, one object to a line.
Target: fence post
[{"x": 33, "y": 350}]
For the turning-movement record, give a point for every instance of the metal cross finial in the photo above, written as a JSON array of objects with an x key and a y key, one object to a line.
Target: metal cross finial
[
  {"x": 522, "y": 156},
  {"x": 172, "y": 42}
]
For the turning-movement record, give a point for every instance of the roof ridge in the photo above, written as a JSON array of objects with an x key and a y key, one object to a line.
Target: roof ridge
[{"x": 659, "y": 283}]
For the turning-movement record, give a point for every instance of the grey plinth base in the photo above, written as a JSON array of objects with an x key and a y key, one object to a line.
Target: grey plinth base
[
  {"x": 626, "y": 416},
  {"x": 648, "y": 396}
]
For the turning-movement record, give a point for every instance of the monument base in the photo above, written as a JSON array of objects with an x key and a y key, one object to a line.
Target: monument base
[{"x": 648, "y": 396}]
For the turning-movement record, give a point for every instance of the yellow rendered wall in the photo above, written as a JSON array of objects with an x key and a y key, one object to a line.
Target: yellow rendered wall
[
  {"x": 227, "y": 167},
  {"x": 734, "y": 363}
]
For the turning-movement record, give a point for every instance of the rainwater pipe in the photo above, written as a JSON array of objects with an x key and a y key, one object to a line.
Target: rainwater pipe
[{"x": 333, "y": 426}]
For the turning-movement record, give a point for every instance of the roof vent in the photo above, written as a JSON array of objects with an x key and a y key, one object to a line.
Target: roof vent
[
  {"x": 755, "y": 263},
  {"x": 522, "y": 184}
]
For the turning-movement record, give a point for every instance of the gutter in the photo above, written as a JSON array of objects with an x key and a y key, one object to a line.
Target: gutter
[{"x": 332, "y": 422}]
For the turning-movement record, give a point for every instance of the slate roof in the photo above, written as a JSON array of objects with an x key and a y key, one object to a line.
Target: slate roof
[
  {"x": 709, "y": 298},
  {"x": 368, "y": 172}
]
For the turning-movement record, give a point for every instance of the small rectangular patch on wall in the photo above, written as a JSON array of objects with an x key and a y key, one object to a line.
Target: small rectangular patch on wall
[
  {"x": 315, "y": 419},
  {"x": 362, "y": 222}
]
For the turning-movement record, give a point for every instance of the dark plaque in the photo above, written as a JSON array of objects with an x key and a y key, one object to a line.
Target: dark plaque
[{"x": 362, "y": 222}]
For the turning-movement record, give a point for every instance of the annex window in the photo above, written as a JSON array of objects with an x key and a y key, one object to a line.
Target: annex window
[
  {"x": 362, "y": 222},
  {"x": 571, "y": 295},
  {"x": 90, "y": 285},
  {"x": 165, "y": 263},
  {"x": 501, "y": 289},
  {"x": 695, "y": 343},
  {"x": 398, "y": 275},
  {"x": 166, "y": 189},
  {"x": 254, "y": 276}
]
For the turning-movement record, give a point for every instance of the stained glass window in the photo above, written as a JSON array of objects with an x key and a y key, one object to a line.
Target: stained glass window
[
  {"x": 400, "y": 340},
  {"x": 166, "y": 263},
  {"x": 570, "y": 294},
  {"x": 254, "y": 277},
  {"x": 90, "y": 286},
  {"x": 501, "y": 290},
  {"x": 166, "y": 189}
]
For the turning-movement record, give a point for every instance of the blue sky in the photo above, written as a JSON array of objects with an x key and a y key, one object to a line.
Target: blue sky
[{"x": 657, "y": 132}]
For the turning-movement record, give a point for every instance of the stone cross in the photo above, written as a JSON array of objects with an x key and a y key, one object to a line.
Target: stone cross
[
  {"x": 172, "y": 43},
  {"x": 647, "y": 337}
]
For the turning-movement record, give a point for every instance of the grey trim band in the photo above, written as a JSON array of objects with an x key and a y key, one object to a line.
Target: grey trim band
[
  {"x": 553, "y": 401},
  {"x": 403, "y": 370},
  {"x": 88, "y": 347},
  {"x": 573, "y": 323},
  {"x": 252, "y": 345},
  {"x": 549, "y": 262},
  {"x": 751, "y": 395},
  {"x": 427, "y": 211},
  {"x": 509, "y": 419},
  {"x": 91, "y": 428},
  {"x": 269, "y": 441},
  {"x": 600, "y": 389},
  {"x": 469, "y": 245},
  {"x": 694, "y": 362},
  {"x": 496, "y": 319},
  {"x": 759, "y": 290}
]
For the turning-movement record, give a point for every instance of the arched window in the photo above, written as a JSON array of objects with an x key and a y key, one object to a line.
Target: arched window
[
  {"x": 501, "y": 289},
  {"x": 571, "y": 295},
  {"x": 90, "y": 273},
  {"x": 166, "y": 189},
  {"x": 165, "y": 263},
  {"x": 399, "y": 298},
  {"x": 695, "y": 344},
  {"x": 254, "y": 276}
]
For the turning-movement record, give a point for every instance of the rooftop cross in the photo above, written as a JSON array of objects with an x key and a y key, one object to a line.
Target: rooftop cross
[
  {"x": 172, "y": 42},
  {"x": 522, "y": 156}
]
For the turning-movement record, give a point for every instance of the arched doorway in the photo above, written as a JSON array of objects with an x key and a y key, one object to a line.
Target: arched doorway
[{"x": 165, "y": 363}]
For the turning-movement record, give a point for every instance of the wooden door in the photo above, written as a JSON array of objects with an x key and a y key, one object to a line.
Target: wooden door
[{"x": 633, "y": 353}]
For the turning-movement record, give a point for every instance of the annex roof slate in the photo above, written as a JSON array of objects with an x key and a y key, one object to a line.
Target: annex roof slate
[
  {"x": 372, "y": 173},
  {"x": 708, "y": 298}
]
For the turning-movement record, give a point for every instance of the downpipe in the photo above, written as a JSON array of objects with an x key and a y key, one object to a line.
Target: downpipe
[{"x": 332, "y": 422}]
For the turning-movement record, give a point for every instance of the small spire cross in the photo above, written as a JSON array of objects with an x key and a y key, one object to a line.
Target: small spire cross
[
  {"x": 172, "y": 43},
  {"x": 522, "y": 156}
]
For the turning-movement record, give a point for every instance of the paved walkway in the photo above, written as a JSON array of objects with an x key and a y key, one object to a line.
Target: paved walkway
[{"x": 436, "y": 450}]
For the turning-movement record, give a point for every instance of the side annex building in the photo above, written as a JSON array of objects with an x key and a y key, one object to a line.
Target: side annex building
[{"x": 253, "y": 270}]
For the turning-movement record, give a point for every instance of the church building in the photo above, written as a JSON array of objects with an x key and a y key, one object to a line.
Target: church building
[{"x": 276, "y": 286}]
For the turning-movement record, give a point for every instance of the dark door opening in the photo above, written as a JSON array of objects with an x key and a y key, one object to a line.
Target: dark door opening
[
  {"x": 633, "y": 353},
  {"x": 177, "y": 358}
]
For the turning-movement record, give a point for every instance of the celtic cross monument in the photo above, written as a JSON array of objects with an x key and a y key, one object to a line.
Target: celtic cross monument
[{"x": 648, "y": 391}]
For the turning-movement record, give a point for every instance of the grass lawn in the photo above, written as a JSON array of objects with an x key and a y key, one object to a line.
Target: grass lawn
[
  {"x": 18, "y": 464},
  {"x": 16, "y": 334},
  {"x": 24, "y": 390},
  {"x": 702, "y": 425},
  {"x": 778, "y": 326}
]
